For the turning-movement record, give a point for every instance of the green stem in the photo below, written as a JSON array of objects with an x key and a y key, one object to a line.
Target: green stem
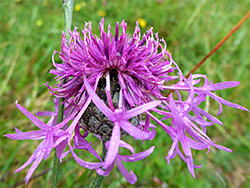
[
  {"x": 98, "y": 179},
  {"x": 68, "y": 11},
  {"x": 55, "y": 169}
]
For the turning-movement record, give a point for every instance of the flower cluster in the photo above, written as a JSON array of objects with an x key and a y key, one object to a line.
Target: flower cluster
[{"x": 109, "y": 85}]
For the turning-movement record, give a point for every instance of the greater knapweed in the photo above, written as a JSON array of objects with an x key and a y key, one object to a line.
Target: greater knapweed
[{"x": 110, "y": 85}]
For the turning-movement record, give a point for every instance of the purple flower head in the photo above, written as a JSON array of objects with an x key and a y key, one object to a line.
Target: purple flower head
[
  {"x": 110, "y": 84},
  {"x": 139, "y": 64},
  {"x": 127, "y": 71}
]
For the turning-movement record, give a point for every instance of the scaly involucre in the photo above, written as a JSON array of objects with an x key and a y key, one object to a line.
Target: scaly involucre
[{"x": 135, "y": 70}]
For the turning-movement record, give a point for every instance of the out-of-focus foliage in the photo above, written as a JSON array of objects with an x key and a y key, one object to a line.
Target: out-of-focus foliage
[{"x": 29, "y": 32}]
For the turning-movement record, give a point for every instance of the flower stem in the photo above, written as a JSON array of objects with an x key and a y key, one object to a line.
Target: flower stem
[
  {"x": 68, "y": 10},
  {"x": 98, "y": 179},
  {"x": 217, "y": 46},
  {"x": 220, "y": 43},
  {"x": 55, "y": 171},
  {"x": 55, "y": 168}
]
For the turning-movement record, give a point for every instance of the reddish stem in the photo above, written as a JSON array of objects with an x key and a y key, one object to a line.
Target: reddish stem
[{"x": 220, "y": 43}]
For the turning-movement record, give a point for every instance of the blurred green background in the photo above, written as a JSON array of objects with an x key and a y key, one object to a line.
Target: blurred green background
[{"x": 29, "y": 32}]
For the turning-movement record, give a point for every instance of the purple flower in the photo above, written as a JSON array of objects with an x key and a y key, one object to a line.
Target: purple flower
[
  {"x": 52, "y": 136},
  {"x": 47, "y": 133},
  {"x": 120, "y": 119},
  {"x": 110, "y": 84},
  {"x": 184, "y": 124},
  {"x": 139, "y": 67}
]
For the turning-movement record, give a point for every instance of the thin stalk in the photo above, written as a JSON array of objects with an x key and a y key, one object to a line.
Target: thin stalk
[
  {"x": 220, "y": 43},
  {"x": 55, "y": 168},
  {"x": 236, "y": 27},
  {"x": 98, "y": 179},
  {"x": 68, "y": 11}
]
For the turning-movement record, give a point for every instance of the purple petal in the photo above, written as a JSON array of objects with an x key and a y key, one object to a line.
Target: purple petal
[
  {"x": 207, "y": 115},
  {"x": 32, "y": 157},
  {"x": 17, "y": 130},
  {"x": 137, "y": 156},
  {"x": 169, "y": 130},
  {"x": 222, "y": 85},
  {"x": 85, "y": 164},
  {"x": 65, "y": 121},
  {"x": 64, "y": 154},
  {"x": 48, "y": 145},
  {"x": 52, "y": 121},
  {"x": 184, "y": 159},
  {"x": 46, "y": 113},
  {"x": 175, "y": 112},
  {"x": 140, "y": 109},
  {"x": 107, "y": 171},
  {"x": 33, "y": 168},
  {"x": 188, "y": 153},
  {"x": 127, "y": 146},
  {"x": 222, "y": 148},
  {"x": 60, "y": 140},
  {"x": 134, "y": 131},
  {"x": 113, "y": 146},
  {"x": 72, "y": 126},
  {"x": 190, "y": 165},
  {"x": 60, "y": 148},
  {"x": 98, "y": 102},
  {"x": 200, "y": 121},
  {"x": 198, "y": 145},
  {"x": 173, "y": 155},
  {"x": 31, "y": 135},
  {"x": 220, "y": 109},
  {"x": 32, "y": 118},
  {"x": 81, "y": 143},
  {"x": 192, "y": 128},
  {"x": 171, "y": 151},
  {"x": 130, "y": 177},
  {"x": 225, "y": 102}
]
